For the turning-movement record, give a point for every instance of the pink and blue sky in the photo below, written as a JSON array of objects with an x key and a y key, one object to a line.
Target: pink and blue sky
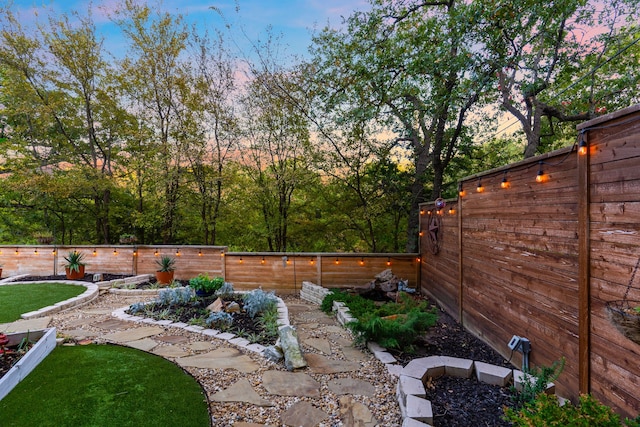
[{"x": 294, "y": 20}]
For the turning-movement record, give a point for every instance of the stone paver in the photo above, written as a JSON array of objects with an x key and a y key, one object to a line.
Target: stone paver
[
  {"x": 222, "y": 358},
  {"x": 145, "y": 344},
  {"x": 26, "y": 325},
  {"x": 351, "y": 386},
  {"x": 241, "y": 391},
  {"x": 134, "y": 334},
  {"x": 201, "y": 346},
  {"x": 321, "y": 344},
  {"x": 354, "y": 413},
  {"x": 303, "y": 414},
  {"x": 323, "y": 365},
  {"x": 169, "y": 351},
  {"x": 112, "y": 324},
  {"x": 290, "y": 384}
]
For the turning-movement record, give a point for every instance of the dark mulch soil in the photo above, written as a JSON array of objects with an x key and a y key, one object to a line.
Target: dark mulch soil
[{"x": 7, "y": 361}]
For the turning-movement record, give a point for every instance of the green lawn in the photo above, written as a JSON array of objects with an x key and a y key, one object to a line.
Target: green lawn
[
  {"x": 105, "y": 385},
  {"x": 18, "y": 299}
]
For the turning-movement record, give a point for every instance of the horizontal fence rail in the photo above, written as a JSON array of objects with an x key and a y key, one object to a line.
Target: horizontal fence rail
[
  {"x": 280, "y": 272},
  {"x": 539, "y": 249}
]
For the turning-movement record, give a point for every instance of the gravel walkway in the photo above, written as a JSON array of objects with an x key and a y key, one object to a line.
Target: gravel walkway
[{"x": 361, "y": 393}]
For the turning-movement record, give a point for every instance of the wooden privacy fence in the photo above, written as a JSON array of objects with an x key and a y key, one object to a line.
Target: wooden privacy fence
[
  {"x": 280, "y": 272},
  {"x": 541, "y": 260}
]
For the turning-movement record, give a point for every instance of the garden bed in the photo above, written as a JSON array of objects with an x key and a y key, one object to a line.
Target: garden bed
[{"x": 15, "y": 367}]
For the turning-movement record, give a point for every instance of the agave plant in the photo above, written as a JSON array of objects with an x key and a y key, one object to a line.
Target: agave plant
[
  {"x": 74, "y": 261},
  {"x": 166, "y": 263}
]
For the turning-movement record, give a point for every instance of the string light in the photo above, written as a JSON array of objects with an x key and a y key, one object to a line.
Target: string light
[
  {"x": 53, "y": 252},
  {"x": 222, "y": 253},
  {"x": 479, "y": 188},
  {"x": 582, "y": 146},
  {"x": 262, "y": 261},
  {"x": 460, "y": 189},
  {"x": 505, "y": 181},
  {"x": 421, "y": 233},
  {"x": 94, "y": 252},
  {"x": 311, "y": 261},
  {"x": 36, "y": 251},
  {"x": 418, "y": 259},
  {"x": 451, "y": 210},
  {"x": 155, "y": 253},
  {"x": 540, "y": 175},
  {"x": 361, "y": 261},
  {"x": 421, "y": 211},
  {"x": 177, "y": 252},
  {"x": 337, "y": 261},
  {"x": 200, "y": 253},
  {"x": 241, "y": 260},
  {"x": 389, "y": 261},
  {"x": 17, "y": 251},
  {"x": 115, "y": 252}
]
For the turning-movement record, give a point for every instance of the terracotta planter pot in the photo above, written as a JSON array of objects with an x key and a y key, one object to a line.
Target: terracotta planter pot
[
  {"x": 74, "y": 275},
  {"x": 164, "y": 277}
]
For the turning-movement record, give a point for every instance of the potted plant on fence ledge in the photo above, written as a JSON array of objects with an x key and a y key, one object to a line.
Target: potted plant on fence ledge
[
  {"x": 166, "y": 269},
  {"x": 74, "y": 268}
]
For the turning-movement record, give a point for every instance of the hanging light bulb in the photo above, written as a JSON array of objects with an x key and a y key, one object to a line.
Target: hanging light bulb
[
  {"x": 389, "y": 261},
  {"x": 540, "y": 175},
  {"x": 582, "y": 146},
  {"x": 200, "y": 253},
  {"x": 262, "y": 261},
  {"x": 479, "y": 188},
  {"x": 505, "y": 181},
  {"x": 460, "y": 189}
]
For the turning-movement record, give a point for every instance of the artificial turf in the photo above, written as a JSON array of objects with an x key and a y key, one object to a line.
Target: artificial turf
[
  {"x": 105, "y": 385},
  {"x": 16, "y": 300}
]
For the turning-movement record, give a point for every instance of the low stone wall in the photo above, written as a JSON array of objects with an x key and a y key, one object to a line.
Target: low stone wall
[{"x": 313, "y": 293}]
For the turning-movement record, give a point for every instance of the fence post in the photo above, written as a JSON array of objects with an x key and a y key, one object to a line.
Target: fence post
[{"x": 584, "y": 286}]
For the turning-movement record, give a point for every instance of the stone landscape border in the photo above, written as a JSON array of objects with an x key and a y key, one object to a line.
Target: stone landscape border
[
  {"x": 410, "y": 390},
  {"x": 283, "y": 320},
  {"x": 89, "y": 295}
]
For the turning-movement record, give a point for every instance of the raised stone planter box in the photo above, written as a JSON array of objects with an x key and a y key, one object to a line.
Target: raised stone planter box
[{"x": 46, "y": 342}]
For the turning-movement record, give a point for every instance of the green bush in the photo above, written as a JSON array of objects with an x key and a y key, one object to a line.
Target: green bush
[
  {"x": 545, "y": 411},
  {"x": 398, "y": 333},
  {"x": 411, "y": 318},
  {"x": 204, "y": 283},
  {"x": 536, "y": 382}
]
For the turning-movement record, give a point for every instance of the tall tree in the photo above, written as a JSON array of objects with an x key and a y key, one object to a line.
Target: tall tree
[
  {"x": 412, "y": 65},
  {"x": 276, "y": 138},
  {"x": 157, "y": 82},
  {"x": 553, "y": 61},
  {"x": 64, "y": 110}
]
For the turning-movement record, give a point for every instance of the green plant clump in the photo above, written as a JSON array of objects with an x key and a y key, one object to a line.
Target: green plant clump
[
  {"x": 358, "y": 306},
  {"x": 545, "y": 411},
  {"x": 392, "y": 325},
  {"x": 259, "y": 301},
  {"x": 204, "y": 283},
  {"x": 535, "y": 382}
]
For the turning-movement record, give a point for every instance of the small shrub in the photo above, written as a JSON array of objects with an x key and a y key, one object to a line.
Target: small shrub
[
  {"x": 258, "y": 301},
  {"x": 220, "y": 320},
  {"x": 204, "y": 283},
  {"x": 268, "y": 320},
  {"x": 137, "y": 307},
  {"x": 545, "y": 410},
  {"x": 176, "y": 296},
  {"x": 398, "y": 333},
  {"x": 536, "y": 382},
  {"x": 358, "y": 306},
  {"x": 225, "y": 291}
]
